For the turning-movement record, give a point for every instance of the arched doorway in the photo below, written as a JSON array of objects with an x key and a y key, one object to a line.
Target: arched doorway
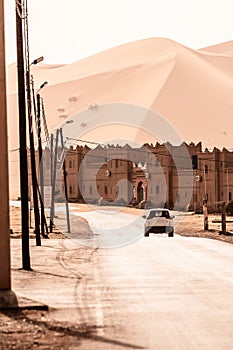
[{"x": 140, "y": 191}]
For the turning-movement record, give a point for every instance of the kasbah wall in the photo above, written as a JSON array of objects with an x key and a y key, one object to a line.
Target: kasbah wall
[{"x": 160, "y": 175}]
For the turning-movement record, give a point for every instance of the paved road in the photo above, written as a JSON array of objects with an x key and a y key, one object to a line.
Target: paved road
[
  {"x": 161, "y": 293},
  {"x": 156, "y": 293}
]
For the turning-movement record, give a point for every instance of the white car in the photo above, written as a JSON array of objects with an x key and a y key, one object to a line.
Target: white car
[{"x": 159, "y": 221}]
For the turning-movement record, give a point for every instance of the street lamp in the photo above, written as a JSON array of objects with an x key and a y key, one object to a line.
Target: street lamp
[
  {"x": 38, "y": 98},
  {"x": 42, "y": 86},
  {"x": 32, "y": 152},
  {"x": 53, "y": 174},
  {"x": 37, "y": 60}
]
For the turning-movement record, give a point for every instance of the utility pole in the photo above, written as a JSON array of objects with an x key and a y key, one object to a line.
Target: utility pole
[
  {"x": 5, "y": 268},
  {"x": 30, "y": 90},
  {"x": 41, "y": 167},
  {"x": 33, "y": 162},
  {"x": 51, "y": 160},
  {"x": 65, "y": 184},
  {"x": 205, "y": 213},
  {"x": 52, "y": 210},
  {"x": 22, "y": 138},
  {"x": 224, "y": 228}
]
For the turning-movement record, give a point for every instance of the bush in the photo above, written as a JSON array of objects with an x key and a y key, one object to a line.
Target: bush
[{"x": 229, "y": 208}]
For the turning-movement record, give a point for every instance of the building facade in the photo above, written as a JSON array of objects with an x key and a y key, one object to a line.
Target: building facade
[{"x": 160, "y": 175}]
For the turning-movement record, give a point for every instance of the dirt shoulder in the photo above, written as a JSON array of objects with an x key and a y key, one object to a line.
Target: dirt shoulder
[
  {"x": 192, "y": 225},
  {"x": 15, "y": 225},
  {"x": 33, "y": 329}
]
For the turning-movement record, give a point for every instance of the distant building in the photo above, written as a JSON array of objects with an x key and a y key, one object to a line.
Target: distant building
[{"x": 176, "y": 177}]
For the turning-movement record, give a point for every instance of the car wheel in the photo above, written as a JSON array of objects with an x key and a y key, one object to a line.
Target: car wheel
[
  {"x": 146, "y": 234},
  {"x": 171, "y": 234}
]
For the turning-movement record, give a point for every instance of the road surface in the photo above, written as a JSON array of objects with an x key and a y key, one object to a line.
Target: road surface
[{"x": 155, "y": 293}]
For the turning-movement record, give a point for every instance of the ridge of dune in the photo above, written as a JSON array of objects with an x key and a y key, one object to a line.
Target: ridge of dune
[
  {"x": 222, "y": 48},
  {"x": 136, "y": 54}
]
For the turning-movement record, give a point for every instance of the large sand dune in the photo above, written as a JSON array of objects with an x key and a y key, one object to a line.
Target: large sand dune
[{"x": 192, "y": 89}]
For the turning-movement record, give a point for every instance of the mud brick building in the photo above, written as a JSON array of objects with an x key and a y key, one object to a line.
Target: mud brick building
[{"x": 176, "y": 177}]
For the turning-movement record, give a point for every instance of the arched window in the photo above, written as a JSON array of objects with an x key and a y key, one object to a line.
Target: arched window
[
  {"x": 206, "y": 169},
  {"x": 70, "y": 163},
  {"x": 157, "y": 189},
  {"x": 71, "y": 189}
]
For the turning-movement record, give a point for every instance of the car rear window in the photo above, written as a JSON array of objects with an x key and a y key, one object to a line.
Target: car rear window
[{"x": 158, "y": 213}]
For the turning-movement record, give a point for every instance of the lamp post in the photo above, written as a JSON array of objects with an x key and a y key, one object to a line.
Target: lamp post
[
  {"x": 53, "y": 182},
  {"x": 32, "y": 153},
  {"x": 41, "y": 166},
  {"x": 65, "y": 178},
  {"x": 52, "y": 209},
  {"x": 22, "y": 138}
]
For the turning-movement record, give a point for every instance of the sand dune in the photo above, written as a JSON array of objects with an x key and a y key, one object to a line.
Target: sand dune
[
  {"x": 192, "y": 89},
  {"x": 223, "y": 48}
]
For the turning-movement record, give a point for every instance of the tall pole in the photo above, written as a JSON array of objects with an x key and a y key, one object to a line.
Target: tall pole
[
  {"x": 33, "y": 162},
  {"x": 5, "y": 272},
  {"x": 205, "y": 214},
  {"x": 51, "y": 160},
  {"x": 52, "y": 210},
  {"x": 41, "y": 166},
  {"x": 65, "y": 184},
  {"x": 224, "y": 227},
  {"x": 22, "y": 139}
]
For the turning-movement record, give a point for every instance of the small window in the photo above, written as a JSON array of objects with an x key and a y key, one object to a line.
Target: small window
[
  {"x": 157, "y": 189},
  {"x": 90, "y": 190},
  {"x": 116, "y": 163},
  {"x": 230, "y": 196},
  {"x": 70, "y": 164},
  {"x": 206, "y": 169},
  {"x": 71, "y": 189},
  {"x": 194, "y": 161},
  {"x": 105, "y": 189}
]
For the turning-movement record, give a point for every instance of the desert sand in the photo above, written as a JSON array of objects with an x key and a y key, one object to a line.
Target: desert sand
[{"x": 192, "y": 89}]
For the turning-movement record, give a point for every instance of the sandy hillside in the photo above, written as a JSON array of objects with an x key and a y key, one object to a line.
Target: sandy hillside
[{"x": 192, "y": 89}]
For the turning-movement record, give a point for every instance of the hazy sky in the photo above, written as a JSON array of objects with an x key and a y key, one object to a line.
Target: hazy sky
[{"x": 65, "y": 31}]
